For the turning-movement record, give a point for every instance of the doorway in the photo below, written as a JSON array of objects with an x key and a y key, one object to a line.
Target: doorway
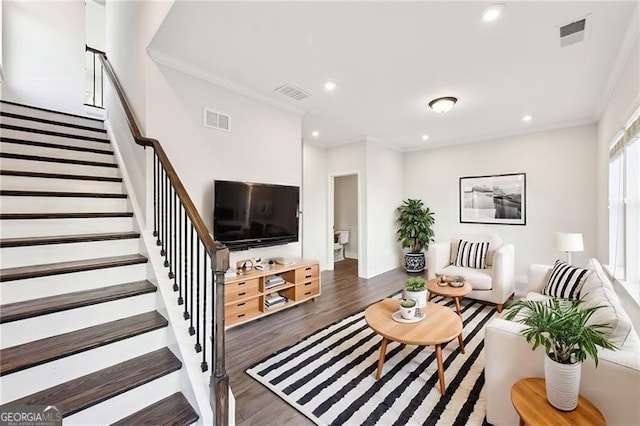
[{"x": 345, "y": 236}]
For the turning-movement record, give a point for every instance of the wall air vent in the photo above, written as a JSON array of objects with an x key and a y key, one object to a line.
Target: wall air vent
[
  {"x": 293, "y": 92},
  {"x": 216, "y": 120},
  {"x": 575, "y": 32}
]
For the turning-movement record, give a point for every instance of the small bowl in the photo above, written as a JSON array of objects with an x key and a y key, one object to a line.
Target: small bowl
[{"x": 456, "y": 283}]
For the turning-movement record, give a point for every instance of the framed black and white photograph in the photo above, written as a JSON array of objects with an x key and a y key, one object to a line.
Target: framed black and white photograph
[{"x": 496, "y": 199}]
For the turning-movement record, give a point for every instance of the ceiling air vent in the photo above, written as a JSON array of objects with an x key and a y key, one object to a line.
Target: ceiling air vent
[
  {"x": 293, "y": 92},
  {"x": 217, "y": 120},
  {"x": 574, "y": 32}
]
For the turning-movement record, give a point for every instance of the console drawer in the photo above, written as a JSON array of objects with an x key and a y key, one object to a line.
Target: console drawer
[
  {"x": 240, "y": 290},
  {"x": 307, "y": 289},
  {"x": 302, "y": 274},
  {"x": 240, "y": 311}
]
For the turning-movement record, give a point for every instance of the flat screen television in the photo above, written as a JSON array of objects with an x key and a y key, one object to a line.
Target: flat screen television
[{"x": 247, "y": 215}]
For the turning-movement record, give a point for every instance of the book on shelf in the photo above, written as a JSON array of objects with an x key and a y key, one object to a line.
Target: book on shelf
[
  {"x": 274, "y": 281},
  {"x": 273, "y": 300}
]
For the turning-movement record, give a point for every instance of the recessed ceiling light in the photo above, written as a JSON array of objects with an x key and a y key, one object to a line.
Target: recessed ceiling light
[
  {"x": 425, "y": 137},
  {"x": 315, "y": 133},
  {"x": 527, "y": 118},
  {"x": 330, "y": 85},
  {"x": 492, "y": 12},
  {"x": 444, "y": 104}
]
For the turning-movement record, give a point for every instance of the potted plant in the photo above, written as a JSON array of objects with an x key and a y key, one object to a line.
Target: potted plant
[
  {"x": 415, "y": 288},
  {"x": 415, "y": 232},
  {"x": 561, "y": 327},
  {"x": 407, "y": 308}
]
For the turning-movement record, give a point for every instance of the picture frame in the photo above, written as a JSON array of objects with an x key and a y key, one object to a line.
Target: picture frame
[{"x": 494, "y": 199}]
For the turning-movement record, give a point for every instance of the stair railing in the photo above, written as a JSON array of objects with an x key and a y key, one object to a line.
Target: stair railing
[
  {"x": 96, "y": 83},
  {"x": 188, "y": 257}
]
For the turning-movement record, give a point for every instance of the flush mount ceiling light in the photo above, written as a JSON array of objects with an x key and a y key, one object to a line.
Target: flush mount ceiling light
[
  {"x": 425, "y": 137},
  {"x": 527, "y": 118},
  {"x": 444, "y": 104},
  {"x": 315, "y": 133},
  {"x": 330, "y": 85},
  {"x": 493, "y": 12}
]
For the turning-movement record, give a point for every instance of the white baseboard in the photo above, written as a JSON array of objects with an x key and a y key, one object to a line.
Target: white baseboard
[{"x": 350, "y": 255}]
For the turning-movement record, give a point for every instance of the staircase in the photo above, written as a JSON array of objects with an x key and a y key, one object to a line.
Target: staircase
[{"x": 79, "y": 326}]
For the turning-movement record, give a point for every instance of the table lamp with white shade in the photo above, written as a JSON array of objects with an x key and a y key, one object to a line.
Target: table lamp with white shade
[{"x": 568, "y": 242}]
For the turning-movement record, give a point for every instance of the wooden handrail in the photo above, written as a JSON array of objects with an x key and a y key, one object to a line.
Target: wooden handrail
[
  {"x": 217, "y": 251},
  {"x": 92, "y": 49}
]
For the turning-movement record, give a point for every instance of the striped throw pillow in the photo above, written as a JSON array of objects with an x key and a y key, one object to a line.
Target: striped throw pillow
[
  {"x": 472, "y": 255},
  {"x": 565, "y": 281}
]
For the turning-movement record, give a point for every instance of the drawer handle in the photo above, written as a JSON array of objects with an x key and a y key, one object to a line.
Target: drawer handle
[
  {"x": 309, "y": 283},
  {"x": 307, "y": 276},
  {"x": 242, "y": 294},
  {"x": 242, "y": 283},
  {"x": 307, "y": 269},
  {"x": 240, "y": 316},
  {"x": 240, "y": 304},
  {"x": 307, "y": 293}
]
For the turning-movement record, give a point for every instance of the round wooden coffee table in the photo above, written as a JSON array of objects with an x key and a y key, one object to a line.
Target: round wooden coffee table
[
  {"x": 456, "y": 293},
  {"x": 440, "y": 326},
  {"x": 529, "y": 398}
]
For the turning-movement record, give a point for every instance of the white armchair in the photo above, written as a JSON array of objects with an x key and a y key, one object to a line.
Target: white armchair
[{"x": 493, "y": 284}]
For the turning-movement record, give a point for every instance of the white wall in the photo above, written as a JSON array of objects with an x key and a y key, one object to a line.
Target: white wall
[
  {"x": 345, "y": 211},
  {"x": 314, "y": 202},
  {"x": 43, "y": 53},
  {"x": 561, "y": 181},
  {"x": 264, "y": 145},
  {"x": 384, "y": 194},
  {"x": 96, "y": 25}
]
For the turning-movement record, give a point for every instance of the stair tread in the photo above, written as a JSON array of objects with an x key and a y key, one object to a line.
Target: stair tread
[
  {"x": 15, "y": 216},
  {"x": 56, "y": 160},
  {"x": 52, "y": 133},
  {"x": 48, "y": 305},
  {"x": 66, "y": 239},
  {"x": 89, "y": 390},
  {"x": 30, "y": 193},
  {"x": 27, "y": 173},
  {"x": 173, "y": 410},
  {"x": 20, "y": 357},
  {"x": 68, "y": 114},
  {"x": 33, "y": 271},
  {"x": 49, "y": 121},
  {"x": 55, "y": 146}
]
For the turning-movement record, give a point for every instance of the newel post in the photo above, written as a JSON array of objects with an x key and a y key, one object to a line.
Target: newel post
[{"x": 219, "y": 382}]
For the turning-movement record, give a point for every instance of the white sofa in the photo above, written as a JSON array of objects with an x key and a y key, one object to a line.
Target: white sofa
[
  {"x": 494, "y": 284},
  {"x": 614, "y": 387}
]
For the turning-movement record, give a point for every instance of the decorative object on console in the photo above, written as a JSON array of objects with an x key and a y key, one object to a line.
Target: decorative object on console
[
  {"x": 562, "y": 328},
  {"x": 415, "y": 232},
  {"x": 565, "y": 281},
  {"x": 472, "y": 255},
  {"x": 495, "y": 199},
  {"x": 568, "y": 242}
]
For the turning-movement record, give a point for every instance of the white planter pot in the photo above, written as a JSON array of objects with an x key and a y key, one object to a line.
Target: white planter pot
[
  {"x": 408, "y": 313},
  {"x": 562, "y": 384},
  {"x": 419, "y": 296}
]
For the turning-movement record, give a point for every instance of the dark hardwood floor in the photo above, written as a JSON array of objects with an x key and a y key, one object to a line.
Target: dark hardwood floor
[{"x": 343, "y": 294}]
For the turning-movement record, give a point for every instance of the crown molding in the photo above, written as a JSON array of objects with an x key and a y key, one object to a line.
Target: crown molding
[
  {"x": 204, "y": 75},
  {"x": 497, "y": 136},
  {"x": 631, "y": 35}
]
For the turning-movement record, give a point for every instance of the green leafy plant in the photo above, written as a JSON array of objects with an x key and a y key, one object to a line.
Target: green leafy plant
[
  {"x": 561, "y": 327},
  {"x": 415, "y": 284},
  {"x": 408, "y": 303},
  {"x": 415, "y": 222}
]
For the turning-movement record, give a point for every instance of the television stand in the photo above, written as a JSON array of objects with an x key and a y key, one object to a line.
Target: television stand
[{"x": 257, "y": 293}]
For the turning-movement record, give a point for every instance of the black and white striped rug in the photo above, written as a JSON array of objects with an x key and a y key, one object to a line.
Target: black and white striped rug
[{"x": 330, "y": 375}]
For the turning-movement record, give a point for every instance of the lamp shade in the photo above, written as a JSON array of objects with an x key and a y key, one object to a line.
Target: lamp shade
[{"x": 569, "y": 241}]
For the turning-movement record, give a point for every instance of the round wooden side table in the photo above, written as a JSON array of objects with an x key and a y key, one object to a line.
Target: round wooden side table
[
  {"x": 456, "y": 293},
  {"x": 529, "y": 398}
]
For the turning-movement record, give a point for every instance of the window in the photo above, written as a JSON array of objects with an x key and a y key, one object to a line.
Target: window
[{"x": 624, "y": 202}]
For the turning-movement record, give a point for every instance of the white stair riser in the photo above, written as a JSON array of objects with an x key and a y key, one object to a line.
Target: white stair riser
[
  {"x": 26, "y": 382},
  {"x": 51, "y": 127},
  {"x": 33, "y": 288},
  {"x": 56, "y": 153},
  {"x": 36, "y": 255},
  {"x": 55, "y": 167},
  {"x": 12, "y": 204},
  {"x": 127, "y": 403},
  {"x": 59, "y": 140},
  {"x": 17, "y": 109},
  {"x": 27, "y": 330},
  {"x": 50, "y": 227},
  {"x": 26, "y": 183}
]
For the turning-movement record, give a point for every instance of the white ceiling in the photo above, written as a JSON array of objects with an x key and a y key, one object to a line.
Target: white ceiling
[{"x": 391, "y": 59}]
